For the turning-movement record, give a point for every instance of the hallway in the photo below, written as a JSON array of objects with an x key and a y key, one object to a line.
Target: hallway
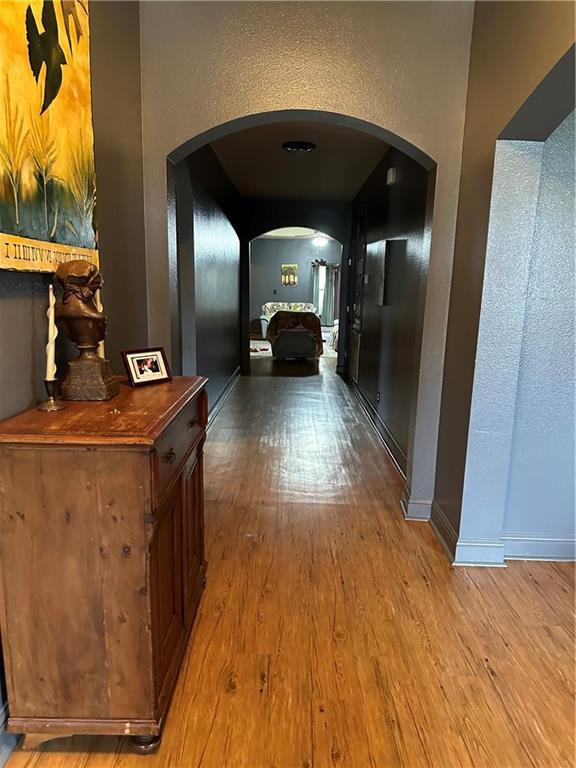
[{"x": 334, "y": 633}]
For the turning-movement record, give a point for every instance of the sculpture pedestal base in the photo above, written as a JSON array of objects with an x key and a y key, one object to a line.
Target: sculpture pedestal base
[{"x": 89, "y": 378}]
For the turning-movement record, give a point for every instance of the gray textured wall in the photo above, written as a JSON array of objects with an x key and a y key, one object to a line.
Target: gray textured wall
[
  {"x": 518, "y": 498},
  {"x": 267, "y": 254},
  {"x": 540, "y": 500},
  {"x": 512, "y": 215},
  {"x": 514, "y": 46}
]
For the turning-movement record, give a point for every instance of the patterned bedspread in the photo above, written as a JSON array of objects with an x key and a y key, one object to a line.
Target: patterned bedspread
[{"x": 289, "y": 321}]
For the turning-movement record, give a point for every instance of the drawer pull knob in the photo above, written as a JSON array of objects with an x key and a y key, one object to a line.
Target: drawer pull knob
[
  {"x": 194, "y": 423},
  {"x": 170, "y": 456}
]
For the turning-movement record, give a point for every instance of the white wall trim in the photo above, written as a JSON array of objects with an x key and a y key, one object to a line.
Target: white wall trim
[
  {"x": 519, "y": 546},
  {"x": 462, "y": 552},
  {"x": 415, "y": 509},
  {"x": 480, "y": 552}
]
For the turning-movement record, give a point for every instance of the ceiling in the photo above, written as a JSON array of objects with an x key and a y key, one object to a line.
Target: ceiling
[{"x": 259, "y": 168}]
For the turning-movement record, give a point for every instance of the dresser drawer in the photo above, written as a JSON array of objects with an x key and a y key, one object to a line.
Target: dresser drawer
[{"x": 173, "y": 445}]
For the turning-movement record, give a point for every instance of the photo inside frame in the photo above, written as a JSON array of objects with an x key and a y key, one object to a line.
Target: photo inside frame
[{"x": 147, "y": 367}]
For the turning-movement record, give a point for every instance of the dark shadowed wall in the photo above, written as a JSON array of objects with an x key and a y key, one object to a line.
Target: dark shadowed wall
[
  {"x": 392, "y": 333},
  {"x": 267, "y": 254},
  {"x": 23, "y": 304},
  {"x": 115, "y": 70},
  {"x": 209, "y": 254},
  {"x": 514, "y": 46}
]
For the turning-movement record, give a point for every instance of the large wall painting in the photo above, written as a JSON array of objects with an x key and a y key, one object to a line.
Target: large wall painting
[{"x": 47, "y": 181}]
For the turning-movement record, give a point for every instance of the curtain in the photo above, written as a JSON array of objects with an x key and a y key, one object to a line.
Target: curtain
[
  {"x": 328, "y": 308},
  {"x": 316, "y": 286}
]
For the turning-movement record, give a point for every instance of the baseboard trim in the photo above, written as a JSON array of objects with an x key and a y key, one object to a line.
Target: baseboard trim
[
  {"x": 443, "y": 529},
  {"x": 224, "y": 395},
  {"x": 381, "y": 430},
  {"x": 480, "y": 552},
  {"x": 419, "y": 510},
  {"x": 518, "y": 546}
]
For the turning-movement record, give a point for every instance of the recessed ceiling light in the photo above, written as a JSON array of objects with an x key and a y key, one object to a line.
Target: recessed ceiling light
[{"x": 299, "y": 147}]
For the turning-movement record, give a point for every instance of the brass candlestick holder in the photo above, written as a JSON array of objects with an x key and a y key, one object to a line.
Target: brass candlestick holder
[{"x": 51, "y": 404}]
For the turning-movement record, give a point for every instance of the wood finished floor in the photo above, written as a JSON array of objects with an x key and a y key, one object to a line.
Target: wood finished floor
[{"x": 332, "y": 632}]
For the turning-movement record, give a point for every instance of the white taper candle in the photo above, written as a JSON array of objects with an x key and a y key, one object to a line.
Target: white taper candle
[
  {"x": 99, "y": 307},
  {"x": 52, "y": 333}
]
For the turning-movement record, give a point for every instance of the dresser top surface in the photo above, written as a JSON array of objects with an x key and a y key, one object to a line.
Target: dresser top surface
[{"x": 136, "y": 416}]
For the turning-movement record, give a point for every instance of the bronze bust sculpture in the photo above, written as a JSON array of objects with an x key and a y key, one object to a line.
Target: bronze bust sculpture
[{"x": 89, "y": 375}]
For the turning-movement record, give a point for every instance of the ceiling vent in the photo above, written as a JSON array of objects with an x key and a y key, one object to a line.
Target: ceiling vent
[{"x": 299, "y": 147}]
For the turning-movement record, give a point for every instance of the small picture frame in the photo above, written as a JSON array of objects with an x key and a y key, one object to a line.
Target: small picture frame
[{"x": 146, "y": 366}]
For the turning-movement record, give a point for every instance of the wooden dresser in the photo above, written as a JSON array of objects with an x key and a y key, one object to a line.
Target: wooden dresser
[{"x": 101, "y": 559}]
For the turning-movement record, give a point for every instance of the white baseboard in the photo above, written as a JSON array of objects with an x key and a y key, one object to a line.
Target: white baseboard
[
  {"x": 480, "y": 552},
  {"x": 466, "y": 552},
  {"x": 414, "y": 509},
  {"x": 519, "y": 546}
]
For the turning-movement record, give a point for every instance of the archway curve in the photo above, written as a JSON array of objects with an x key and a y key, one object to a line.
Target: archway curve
[
  {"x": 298, "y": 225},
  {"x": 327, "y": 229},
  {"x": 295, "y": 115}
]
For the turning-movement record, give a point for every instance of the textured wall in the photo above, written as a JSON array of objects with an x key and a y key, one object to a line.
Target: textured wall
[
  {"x": 391, "y": 334},
  {"x": 518, "y": 496},
  {"x": 510, "y": 55},
  {"x": 267, "y": 254},
  {"x": 540, "y": 499},
  {"x": 512, "y": 217},
  {"x": 402, "y": 66}
]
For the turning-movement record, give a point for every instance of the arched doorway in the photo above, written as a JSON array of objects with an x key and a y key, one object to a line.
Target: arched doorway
[
  {"x": 294, "y": 268},
  {"x": 256, "y": 215}
]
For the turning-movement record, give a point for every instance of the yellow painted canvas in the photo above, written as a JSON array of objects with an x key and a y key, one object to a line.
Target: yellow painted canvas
[{"x": 47, "y": 179}]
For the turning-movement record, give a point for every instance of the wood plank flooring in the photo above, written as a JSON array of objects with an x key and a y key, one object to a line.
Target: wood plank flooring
[{"x": 332, "y": 632}]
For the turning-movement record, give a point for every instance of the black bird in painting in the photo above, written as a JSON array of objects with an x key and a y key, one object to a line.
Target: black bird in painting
[
  {"x": 44, "y": 48},
  {"x": 70, "y": 15}
]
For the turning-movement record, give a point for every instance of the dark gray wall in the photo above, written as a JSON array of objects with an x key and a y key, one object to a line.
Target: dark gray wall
[
  {"x": 115, "y": 70},
  {"x": 331, "y": 217},
  {"x": 209, "y": 260},
  {"x": 510, "y": 56},
  {"x": 267, "y": 254},
  {"x": 23, "y": 304},
  {"x": 392, "y": 334}
]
